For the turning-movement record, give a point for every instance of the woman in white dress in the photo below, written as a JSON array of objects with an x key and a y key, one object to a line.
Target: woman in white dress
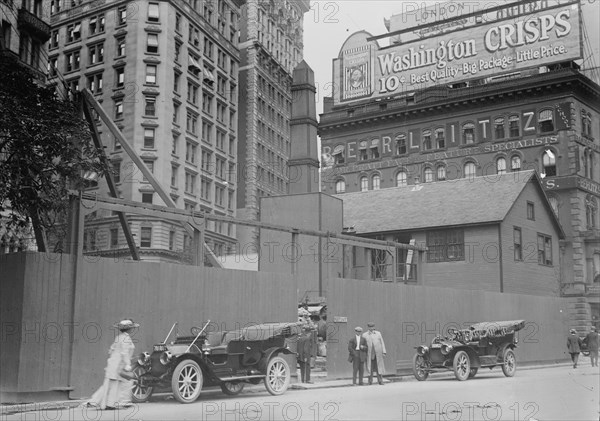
[{"x": 116, "y": 390}]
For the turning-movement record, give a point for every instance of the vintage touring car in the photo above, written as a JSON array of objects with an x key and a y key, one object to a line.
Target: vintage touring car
[
  {"x": 228, "y": 359},
  {"x": 464, "y": 351}
]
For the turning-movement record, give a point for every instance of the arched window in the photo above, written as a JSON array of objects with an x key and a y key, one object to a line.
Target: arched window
[
  {"x": 470, "y": 170},
  {"x": 376, "y": 182},
  {"x": 548, "y": 163},
  {"x": 499, "y": 128},
  {"x": 401, "y": 179},
  {"x": 501, "y": 166},
  {"x": 441, "y": 173},
  {"x": 374, "y": 149},
  {"x": 340, "y": 186},
  {"x": 546, "y": 121},
  {"x": 440, "y": 139},
  {"x": 364, "y": 183},
  {"x": 515, "y": 163},
  {"x": 338, "y": 154},
  {"x": 468, "y": 133},
  {"x": 428, "y": 175},
  {"x": 400, "y": 144},
  {"x": 427, "y": 140},
  {"x": 362, "y": 150},
  {"x": 591, "y": 211},
  {"x": 514, "y": 126}
]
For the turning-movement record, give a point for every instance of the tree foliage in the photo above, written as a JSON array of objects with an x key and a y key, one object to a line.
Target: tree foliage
[{"x": 45, "y": 147}]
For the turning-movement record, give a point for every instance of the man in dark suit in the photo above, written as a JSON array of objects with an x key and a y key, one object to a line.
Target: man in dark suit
[{"x": 357, "y": 347}]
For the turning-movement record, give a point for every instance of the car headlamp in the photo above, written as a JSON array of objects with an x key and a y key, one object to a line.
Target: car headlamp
[
  {"x": 165, "y": 357},
  {"x": 422, "y": 350},
  {"x": 446, "y": 349},
  {"x": 144, "y": 358}
]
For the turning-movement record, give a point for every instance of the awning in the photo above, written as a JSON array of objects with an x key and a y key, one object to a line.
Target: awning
[
  {"x": 375, "y": 143},
  {"x": 152, "y": 40},
  {"x": 362, "y": 145},
  {"x": 208, "y": 75},
  {"x": 193, "y": 63},
  {"x": 338, "y": 149}
]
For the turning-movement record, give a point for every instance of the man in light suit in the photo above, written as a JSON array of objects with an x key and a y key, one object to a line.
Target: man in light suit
[
  {"x": 376, "y": 352},
  {"x": 357, "y": 348}
]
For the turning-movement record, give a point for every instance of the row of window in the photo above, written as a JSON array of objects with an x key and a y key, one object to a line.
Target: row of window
[{"x": 469, "y": 170}]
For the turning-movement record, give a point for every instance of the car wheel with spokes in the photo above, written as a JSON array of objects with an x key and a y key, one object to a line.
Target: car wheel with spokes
[
  {"x": 419, "y": 368},
  {"x": 232, "y": 388},
  {"x": 509, "y": 363},
  {"x": 462, "y": 366},
  {"x": 139, "y": 393},
  {"x": 278, "y": 376},
  {"x": 187, "y": 380}
]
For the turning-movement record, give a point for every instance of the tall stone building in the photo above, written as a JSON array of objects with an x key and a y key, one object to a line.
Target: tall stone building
[
  {"x": 167, "y": 73},
  {"x": 271, "y": 47}
]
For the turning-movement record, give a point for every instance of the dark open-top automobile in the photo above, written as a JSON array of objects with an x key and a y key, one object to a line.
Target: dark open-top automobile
[
  {"x": 228, "y": 359},
  {"x": 464, "y": 351}
]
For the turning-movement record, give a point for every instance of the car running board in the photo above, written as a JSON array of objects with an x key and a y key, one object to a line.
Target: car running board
[{"x": 231, "y": 379}]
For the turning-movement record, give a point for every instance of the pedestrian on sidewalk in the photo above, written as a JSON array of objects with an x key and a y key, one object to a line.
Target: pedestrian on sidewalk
[
  {"x": 573, "y": 345},
  {"x": 591, "y": 340},
  {"x": 116, "y": 389},
  {"x": 306, "y": 352},
  {"x": 357, "y": 348},
  {"x": 375, "y": 353}
]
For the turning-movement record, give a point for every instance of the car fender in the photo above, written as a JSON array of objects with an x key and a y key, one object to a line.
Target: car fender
[
  {"x": 503, "y": 348},
  {"x": 268, "y": 353},
  {"x": 473, "y": 357},
  {"x": 190, "y": 356}
]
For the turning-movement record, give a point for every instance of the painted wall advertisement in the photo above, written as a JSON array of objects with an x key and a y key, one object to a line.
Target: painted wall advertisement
[{"x": 490, "y": 49}]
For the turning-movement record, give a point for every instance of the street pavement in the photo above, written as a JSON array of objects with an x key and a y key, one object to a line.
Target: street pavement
[{"x": 585, "y": 380}]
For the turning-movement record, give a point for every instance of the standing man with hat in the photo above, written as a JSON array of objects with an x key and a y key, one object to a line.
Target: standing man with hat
[
  {"x": 573, "y": 346},
  {"x": 376, "y": 352},
  {"x": 591, "y": 340},
  {"x": 307, "y": 350},
  {"x": 357, "y": 347}
]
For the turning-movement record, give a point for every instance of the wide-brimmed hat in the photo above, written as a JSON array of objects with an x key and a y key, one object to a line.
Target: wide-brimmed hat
[{"x": 126, "y": 324}]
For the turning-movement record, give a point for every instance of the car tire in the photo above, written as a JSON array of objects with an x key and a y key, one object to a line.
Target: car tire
[
  {"x": 232, "y": 388},
  {"x": 462, "y": 366},
  {"x": 509, "y": 363},
  {"x": 473, "y": 372},
  {"x": 418, "y": 368},
  {"x": 278, "y": 376},
  {"x": 186, "y": 382},
  {"x": 140, "y": 394}
]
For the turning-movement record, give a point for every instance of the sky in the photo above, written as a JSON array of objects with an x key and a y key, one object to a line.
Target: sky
[{"x": 329, "y": 23}]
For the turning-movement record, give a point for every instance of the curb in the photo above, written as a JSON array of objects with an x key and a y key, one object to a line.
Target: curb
[{"x": 37, "y": 406}]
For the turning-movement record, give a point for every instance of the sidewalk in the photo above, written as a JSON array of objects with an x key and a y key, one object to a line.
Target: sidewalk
[{"x": 319, "y": 378}]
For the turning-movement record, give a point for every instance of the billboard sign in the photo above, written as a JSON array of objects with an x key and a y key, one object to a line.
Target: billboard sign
[{"x": 490, "y": 49}]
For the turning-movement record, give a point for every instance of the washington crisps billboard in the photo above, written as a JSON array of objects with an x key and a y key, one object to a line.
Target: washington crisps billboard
[{"x": 539, "y": 38}]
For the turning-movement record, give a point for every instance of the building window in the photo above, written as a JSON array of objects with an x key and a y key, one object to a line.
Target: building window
[
  {"x": 445, "y": 245},
  {"x": 114, "y": 238},
  {"x": 120, "y": 77},
  {"x": 72, "y": 61},
  {"x": 362, "y": 151},
  {"x": 501, "y": 166},
  {"x": 146, "y": 237},
  {"x": 122, "y": 15},
  {"x": 468, "y": 133},
  {"x": 176, "y": 114},
  {"x": 206, "y": 103},
  {"x": 514, "y": 126},
  {"x": 150, "y": 165},
  {"x": 338, "y": 154},
  {"x": 401, "y": 179},
  {"x": 428, "y": 175},
  {"x": 192, "y": 93},
  {"x": 470, "y": 170},
  {"x": 440, "y": 139},
  {"x": 74, "y": 32},
  {"x": 364, "y": 183},
  {"x": 548, "y": 163},
  {"x": 190, "y": 152},
  {"x": 116, "y": 171},
  {"x": 95, "y": 83},
  {"x": 172, "y": 240},
  {"x": 591, "y": 212},
  {"x": 96, "y": 24},
  {"x": 118, "y": 109},
  {"x": 340, "y": 186},
  {"x": 151, "y": 74},
  {"x": 545, "y": 121},
  {"x": 376, "y": 182},
  {"x": 374, "y": 149},
  {"x": 152, "y": 44},
  {"x": 147, "y": 197},
  {"x": 427, "y": 140},
  {"x": 530, "y": 211},
  {"x": 190, "y": 183},
  {"x": 205, "y": 189},
  {"x": 207, "y": 132},
  {"x": 400, "y": 144},
  {"x": 153, "y": 12},
  {"x": 191, "y": 124},
  {"x": 173, "y": 176},
  {"x": 176, "y": 79},
  {"x": 177, "y": 22},
  {"x": 148, "y": 138},
  {"x": 206, "y": 163},
  {"x": 150, "y": 107},
  {"x": 441, "y": 173},
  {"x": 517, "y": 244},
  {"x": 515, "y": 163},
  {"x": 120, "y": 46},
  {"x": 544, "y": 245},
  {"x": 499, "y": 128},
  {"x": 96, "y": 53}
]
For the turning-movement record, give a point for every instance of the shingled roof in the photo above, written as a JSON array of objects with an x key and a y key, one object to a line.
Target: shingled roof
[{"x": 465, "y": 201}]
